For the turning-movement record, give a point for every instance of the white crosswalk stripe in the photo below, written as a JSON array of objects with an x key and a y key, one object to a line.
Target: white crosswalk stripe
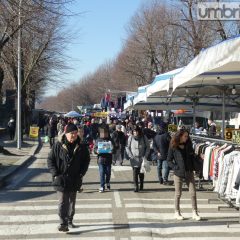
[{"x": 116, "y": 215}]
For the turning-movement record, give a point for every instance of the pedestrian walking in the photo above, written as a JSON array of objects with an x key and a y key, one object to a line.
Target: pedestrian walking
[
  {"x": 137, "y": 149},
  {"x": 160, "y": 146},
  {"x": 68, "y": 162},
  {"x": 11, "y": 128},
  {"x": 104, "y": 148},
  {"x": 119, "y": 141},
  {"x": 180, "y": 158},
  {"x": 51, "y": 130}
]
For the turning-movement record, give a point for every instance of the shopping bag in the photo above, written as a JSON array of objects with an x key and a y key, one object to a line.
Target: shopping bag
[
  {"x": 145, "y": 167},
  {"x": 46, "y": 139}
]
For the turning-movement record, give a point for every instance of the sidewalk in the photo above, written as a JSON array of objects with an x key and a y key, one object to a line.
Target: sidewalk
[{"x": 13, "y": 158}]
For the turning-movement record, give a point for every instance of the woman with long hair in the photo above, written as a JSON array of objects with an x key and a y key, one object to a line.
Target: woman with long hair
[
  {"x": 180, "y": 160},
  {"x": 137, "y": 149}
]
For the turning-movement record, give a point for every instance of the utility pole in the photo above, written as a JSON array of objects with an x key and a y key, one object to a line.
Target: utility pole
[{"x": 19, "y": 87}]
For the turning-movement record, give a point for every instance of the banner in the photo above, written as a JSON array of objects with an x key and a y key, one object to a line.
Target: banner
[{"x": 33, "y": 133}]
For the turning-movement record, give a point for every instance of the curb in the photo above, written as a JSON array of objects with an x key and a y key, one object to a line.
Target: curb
[{"x": 20, "y": 163}]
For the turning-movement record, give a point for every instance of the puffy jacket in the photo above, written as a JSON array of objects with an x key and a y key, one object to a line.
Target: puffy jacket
[{"x": 67, "y": 170}]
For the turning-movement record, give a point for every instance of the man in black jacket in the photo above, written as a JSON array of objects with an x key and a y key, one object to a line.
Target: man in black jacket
[
  {"x": 68, "y": 162},
  {"x": 160, "y": 146}
]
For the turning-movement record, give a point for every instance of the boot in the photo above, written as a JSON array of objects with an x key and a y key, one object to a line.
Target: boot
[
  {"x": 135, "y": 179},
  {"x": 63, "y": 228},
  {"x": 141, "y": 177}
]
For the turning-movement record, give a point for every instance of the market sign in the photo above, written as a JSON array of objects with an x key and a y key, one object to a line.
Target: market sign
[
  {"x": 236, "y": 136},
  {"x": 172, "y": 128},
  {"x": 100, "y": 114},
  {"x": 229, "y": 134}
]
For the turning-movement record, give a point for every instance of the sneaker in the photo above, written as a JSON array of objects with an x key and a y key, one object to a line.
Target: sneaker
[
  {"x": 161, "y": 181},
  {"x": 63, "y": 228},
  {"x": 108, "y": 187},
  {"x": 101, "y": 190},
  {"x": 178, "y": 216},
  {"x": 195, "y": 216}
]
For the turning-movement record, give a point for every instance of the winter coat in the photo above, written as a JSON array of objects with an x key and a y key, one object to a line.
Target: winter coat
[
  {"x": 161, "y": 145},
  {"x": 68, "y": 169},
  {"x": 176, "y": 161},
  {"x": 137, "y": 149},
  {"x": 119, "y": 139}
]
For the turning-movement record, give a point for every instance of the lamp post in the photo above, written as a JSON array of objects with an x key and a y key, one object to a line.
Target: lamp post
[{"x": 19, "y": 87}]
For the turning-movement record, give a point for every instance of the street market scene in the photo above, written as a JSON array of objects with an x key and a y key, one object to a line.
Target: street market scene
[{"x": 130, "y": 139}]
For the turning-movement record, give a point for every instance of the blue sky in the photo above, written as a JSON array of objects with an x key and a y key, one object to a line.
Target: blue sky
[{"x": 100, "y": 34}]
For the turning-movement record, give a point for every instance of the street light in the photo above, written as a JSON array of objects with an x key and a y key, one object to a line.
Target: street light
[{"x": 19, "y": 135}]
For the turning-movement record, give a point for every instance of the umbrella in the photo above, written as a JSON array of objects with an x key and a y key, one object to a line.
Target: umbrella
[{"x": 72, "y": 114}]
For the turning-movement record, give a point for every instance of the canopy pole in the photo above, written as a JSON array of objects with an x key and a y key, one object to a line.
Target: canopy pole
[
  {"x": 194, "y": 115},
  {"x": 195, "y": 99},
  {"x": 223, "y": 113}
]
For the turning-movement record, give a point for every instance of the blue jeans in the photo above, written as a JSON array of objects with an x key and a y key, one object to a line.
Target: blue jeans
[
  {"x": 105, "y": 174},
  {"x": 163, "y": 170}
]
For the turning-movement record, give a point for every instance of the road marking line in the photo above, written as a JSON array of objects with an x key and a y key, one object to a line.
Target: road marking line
[
  {"x": 55, "y": 200},
  {"x": 170, "y": 216},
  {"x": 165, "y": 229},
  {"x": 171, "y": 206},
  {"x": 54, "y": 217},
  {"x": 117, "y": 199},
  {"x": 52, "y": 207},
  {"x": 51, "y": 228}
]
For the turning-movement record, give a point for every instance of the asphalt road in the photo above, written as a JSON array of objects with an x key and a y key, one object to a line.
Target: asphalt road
[{"x": 28, "y": 208}]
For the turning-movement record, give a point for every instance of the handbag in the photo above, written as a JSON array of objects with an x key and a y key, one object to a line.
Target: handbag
[{"x": 145, "y": 167}]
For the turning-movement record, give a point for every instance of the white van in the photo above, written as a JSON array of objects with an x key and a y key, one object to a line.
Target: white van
[{"x": 186, "y": 119}]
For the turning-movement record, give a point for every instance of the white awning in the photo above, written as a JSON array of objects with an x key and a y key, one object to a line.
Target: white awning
[{"x": 218, "y": 65}]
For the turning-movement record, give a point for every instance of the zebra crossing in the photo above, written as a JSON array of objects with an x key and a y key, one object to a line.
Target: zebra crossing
[
  {"x": 145, "y": 218},
  {"x": 119, "y": 214}
]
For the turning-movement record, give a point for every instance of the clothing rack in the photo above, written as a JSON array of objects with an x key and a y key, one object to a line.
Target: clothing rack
[
  {"x": 208, "y": 139},
  {"x": 219, "y": 198}
]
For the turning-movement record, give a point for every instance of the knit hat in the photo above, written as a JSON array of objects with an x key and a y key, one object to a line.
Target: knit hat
[{"x": 70, "y": 128}]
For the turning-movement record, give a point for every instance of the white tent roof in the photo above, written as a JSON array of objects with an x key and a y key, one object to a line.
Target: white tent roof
[
  {"x": 161, "y": 82},
  {"x": 141, "y": 95},
  {"x": 218, "y": 65},
  {"x": 213, "y": 103}
]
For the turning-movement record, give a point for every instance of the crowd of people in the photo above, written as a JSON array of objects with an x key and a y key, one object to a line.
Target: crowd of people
[{"x": 114, "y": 143}]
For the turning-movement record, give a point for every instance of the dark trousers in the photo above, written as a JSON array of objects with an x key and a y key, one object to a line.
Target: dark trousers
[
  {"x": 11, "y": 133},
  {"x": 51, "y": 141},
  {"x": 136, "y": 175},
  {"x": 66, "y": 206}
]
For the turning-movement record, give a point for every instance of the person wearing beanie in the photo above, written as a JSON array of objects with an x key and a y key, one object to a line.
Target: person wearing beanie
[{"x": 68, "y": 162}]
